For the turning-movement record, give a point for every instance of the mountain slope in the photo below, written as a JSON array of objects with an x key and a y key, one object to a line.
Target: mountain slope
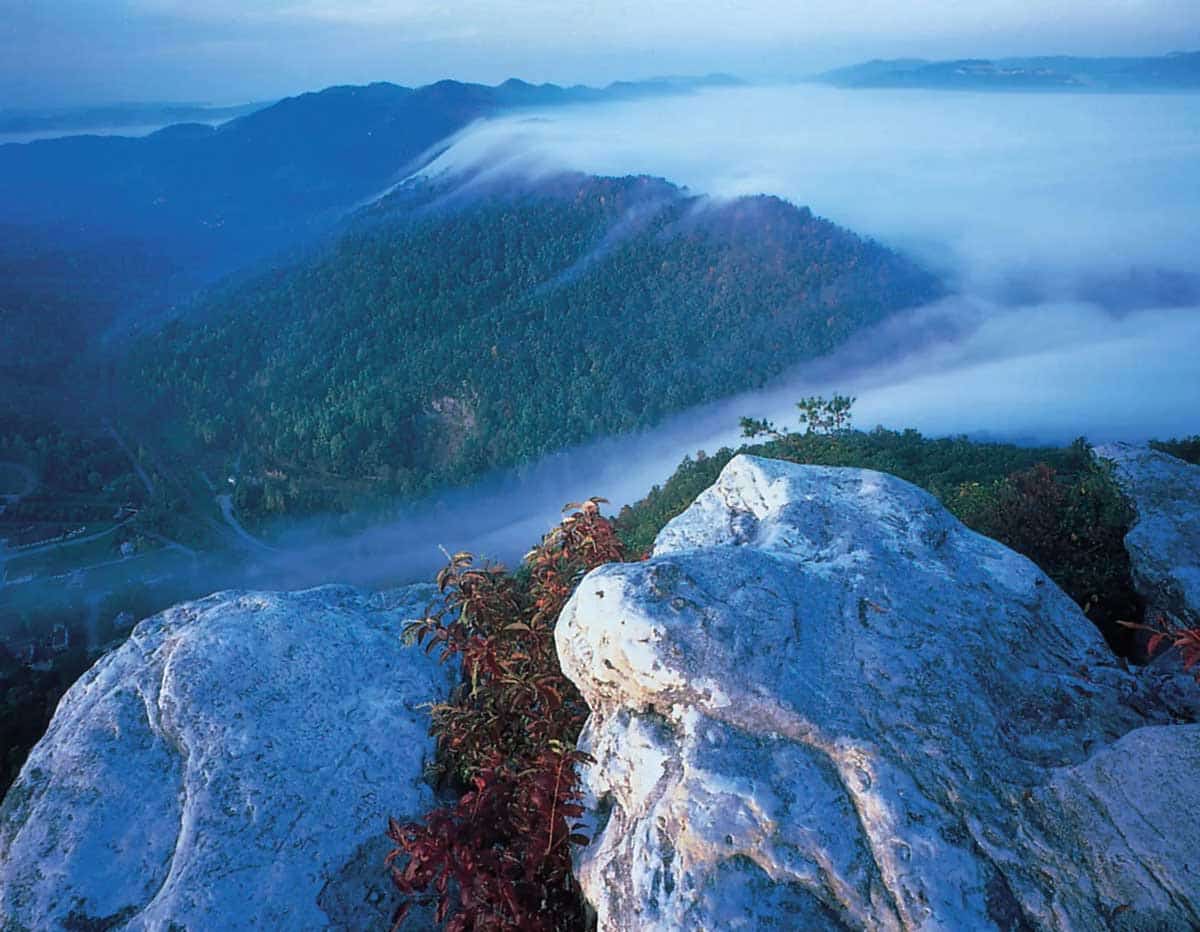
[
  {"x": 490, "y": 329},
  {"x": 217, "y": 197},
  {"x": 133, "y": 226}
]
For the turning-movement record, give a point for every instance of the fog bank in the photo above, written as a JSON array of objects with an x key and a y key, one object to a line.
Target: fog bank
[
  {"x": 992, "y": 188},
  {"x": 1067, "y": 225}
]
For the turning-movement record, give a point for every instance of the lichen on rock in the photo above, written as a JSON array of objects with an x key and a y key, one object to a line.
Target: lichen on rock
[
  {"x": 825, "y": 703},
  {"x": 225, "y": 768}
]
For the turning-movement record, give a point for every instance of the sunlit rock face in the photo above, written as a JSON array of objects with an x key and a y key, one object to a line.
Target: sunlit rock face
[
  {"x": 824, "y": 703},
  {"x": 1164, "y": 542},
  {"x": 231, "y": 766}
]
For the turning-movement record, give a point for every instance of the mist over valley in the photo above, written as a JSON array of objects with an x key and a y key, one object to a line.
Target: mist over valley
[
  {"x": 598, "y": 501},
  {"x": 1061, "y": 228},
  {"x": 521, "y": 296},
  {"x": 1063, "y": 225}
]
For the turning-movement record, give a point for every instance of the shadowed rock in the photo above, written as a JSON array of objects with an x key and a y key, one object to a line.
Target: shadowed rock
[{"x": 1164, "y": 542}]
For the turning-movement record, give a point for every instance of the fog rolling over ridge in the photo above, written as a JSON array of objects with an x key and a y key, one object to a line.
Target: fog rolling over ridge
[
  {"x": 1067, "y": 226},
  {"x": 987, "y": 186}
]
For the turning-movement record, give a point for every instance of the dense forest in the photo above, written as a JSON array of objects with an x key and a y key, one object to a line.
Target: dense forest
[
  {"x": 462, "y": 333},
  {"x": 1186, "y": 448},
  {"x": 56, "y": 302},
  {"x": 102, "y": 233}
]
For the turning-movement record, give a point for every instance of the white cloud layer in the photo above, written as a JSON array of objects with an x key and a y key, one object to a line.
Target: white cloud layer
[
  {"x": 1039, "y": 205},
  {"x": 992, "y": 185}
]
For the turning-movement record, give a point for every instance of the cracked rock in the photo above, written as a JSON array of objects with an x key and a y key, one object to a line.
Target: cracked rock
[
  {"x": 824, "y": 703},
  {"x": 231, "y": 766},
  {"x": 1164, "y": 542}
]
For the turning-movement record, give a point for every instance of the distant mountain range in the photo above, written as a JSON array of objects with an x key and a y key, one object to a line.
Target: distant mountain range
[
  {"x": 1178, "y": 71},
  {"x": 93, "y": 228},
  {"x": 209, "y": 199},
  {"x": 71, "y": 120}
]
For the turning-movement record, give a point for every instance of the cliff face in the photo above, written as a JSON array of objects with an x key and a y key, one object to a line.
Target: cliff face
[
  {"x": 823, "y": 698},
  {"x": 823, "y": 703},
  {"x": 230, "y": 766}
]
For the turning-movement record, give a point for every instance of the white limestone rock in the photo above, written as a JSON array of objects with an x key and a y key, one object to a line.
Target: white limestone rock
[
  {"x": 824, "y": 703},
  {"x": 1164, "y": 542},
  {"x": 226, "y": 768}
]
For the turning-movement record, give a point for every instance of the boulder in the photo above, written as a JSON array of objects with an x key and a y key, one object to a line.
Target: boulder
[
  {"x": 1164, "y": 542},
  {"x": 230, "y": 766},
  {"x": 824, "y": 703}
]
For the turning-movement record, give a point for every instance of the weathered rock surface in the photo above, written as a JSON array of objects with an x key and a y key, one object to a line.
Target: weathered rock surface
[
  {"x": 226, "y": 768},
  {"x": 1164, "y": 542},
  {"x": 824, "y": 703}
]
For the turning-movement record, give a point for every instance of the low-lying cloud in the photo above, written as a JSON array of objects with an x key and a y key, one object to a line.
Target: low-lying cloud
[
  {"x": 1067, "y": 226},
  {"x": 990, "y": 187}
]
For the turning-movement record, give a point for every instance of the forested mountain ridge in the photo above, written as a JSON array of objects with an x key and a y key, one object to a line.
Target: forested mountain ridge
[
  {"x": 99, "y": 234},
  {"x": 218, "y": 197},
  {"x": 465, "y": 332}
]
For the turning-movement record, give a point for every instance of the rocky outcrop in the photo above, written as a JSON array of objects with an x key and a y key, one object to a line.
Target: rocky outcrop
[
  {"x": 1164, "y": 542},
  {"x": 231, "y": 766},
  {"x": 824, "y": 703}
]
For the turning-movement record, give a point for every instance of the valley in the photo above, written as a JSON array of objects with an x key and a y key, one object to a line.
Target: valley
[
  {"x": 593, "y": 467},
  {"x": 382, "y": 320}
]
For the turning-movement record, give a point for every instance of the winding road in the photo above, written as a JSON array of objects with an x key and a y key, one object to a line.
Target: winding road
[{"x": 226, "y": 503}]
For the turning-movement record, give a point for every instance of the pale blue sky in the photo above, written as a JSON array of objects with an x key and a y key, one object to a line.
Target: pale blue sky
[{"x": 68, "y": 51}]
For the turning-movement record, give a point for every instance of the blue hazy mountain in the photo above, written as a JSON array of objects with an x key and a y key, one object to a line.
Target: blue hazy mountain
[
  {"x": 1175, "y": 72},
  {"x": 208, "y": 199},
  {"x": 99, "y": 228},
  {"x": 63, "y": 121}
]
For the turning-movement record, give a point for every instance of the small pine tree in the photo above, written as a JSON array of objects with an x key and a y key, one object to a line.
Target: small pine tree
[{"x": 818, "y": 415}]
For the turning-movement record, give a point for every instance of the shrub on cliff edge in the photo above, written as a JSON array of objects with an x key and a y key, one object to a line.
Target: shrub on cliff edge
[{"x": 499, "y": 859}]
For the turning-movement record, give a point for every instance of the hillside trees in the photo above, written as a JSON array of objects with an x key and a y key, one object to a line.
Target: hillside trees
[
  {"x": 1186, "y": 448},
  {"x": 441, "y": 344}
]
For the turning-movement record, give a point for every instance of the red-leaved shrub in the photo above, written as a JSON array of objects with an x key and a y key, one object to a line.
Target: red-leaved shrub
[
  {"x": 1072, "y": 527},
  {"x": 1184, "y": 640},
  {"x": 500, "y": 858}
]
